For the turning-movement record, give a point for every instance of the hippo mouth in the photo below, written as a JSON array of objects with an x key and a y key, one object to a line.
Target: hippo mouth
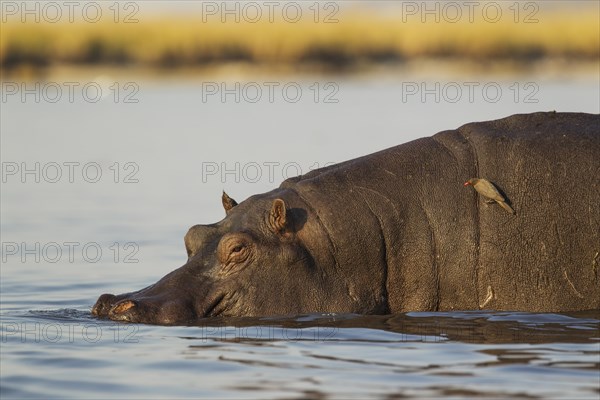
[
  {"x": 142, "y": 309},
  {"x": 156, "y": 310}
]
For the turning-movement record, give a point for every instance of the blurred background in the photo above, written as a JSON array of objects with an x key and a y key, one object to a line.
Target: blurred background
[{"x": 295, "y": 37}]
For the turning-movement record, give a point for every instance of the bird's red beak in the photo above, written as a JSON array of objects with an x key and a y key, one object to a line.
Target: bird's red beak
[{"x": 467, "y": 183}]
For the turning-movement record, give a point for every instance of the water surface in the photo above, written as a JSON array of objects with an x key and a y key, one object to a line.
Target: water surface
[{"x": 152, "y": 155}]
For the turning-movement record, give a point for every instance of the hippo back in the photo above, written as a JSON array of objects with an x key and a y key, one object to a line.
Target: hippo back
[{"x": 440, "y": 247}]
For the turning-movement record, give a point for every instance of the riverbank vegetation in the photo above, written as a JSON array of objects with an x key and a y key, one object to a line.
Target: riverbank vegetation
[{"x": 357, "y": 39}]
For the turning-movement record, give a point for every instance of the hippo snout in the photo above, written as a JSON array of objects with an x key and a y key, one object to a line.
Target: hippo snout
[
  {"x": 104, "y": 304},
  {"x": 141, "y": 308},
  {"x": 122, "y": 311},
  {"x": 110, "y": 306}
]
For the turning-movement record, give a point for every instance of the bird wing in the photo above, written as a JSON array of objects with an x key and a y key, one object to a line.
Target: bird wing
[
  {"x": 507, "y": 207},
  {"x": 487, "y": 189}
]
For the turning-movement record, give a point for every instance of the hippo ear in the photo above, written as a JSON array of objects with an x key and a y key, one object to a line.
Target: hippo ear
[
  {"x": 278, "y": 219},
  {"x": 228, "y": 202}
]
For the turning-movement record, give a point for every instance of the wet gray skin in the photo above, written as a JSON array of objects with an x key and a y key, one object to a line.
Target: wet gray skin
[{"x": 396, "y": 231}]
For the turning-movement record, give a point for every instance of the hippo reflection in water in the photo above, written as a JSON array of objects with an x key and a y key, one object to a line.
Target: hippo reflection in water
[{"x": 396, "y": 231}]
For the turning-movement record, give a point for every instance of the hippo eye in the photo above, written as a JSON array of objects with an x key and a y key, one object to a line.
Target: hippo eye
[
  {"x": 234, "y": 248},
  {"x": 237, "y": 252}
]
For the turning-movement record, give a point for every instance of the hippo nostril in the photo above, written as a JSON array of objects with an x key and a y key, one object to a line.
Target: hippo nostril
[
  {"x": 103, "y": 304},
  {"x": 122, "y": 306}
]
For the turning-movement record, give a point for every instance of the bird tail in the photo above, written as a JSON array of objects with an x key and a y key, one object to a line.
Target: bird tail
[{"x": 507, "y": 207}]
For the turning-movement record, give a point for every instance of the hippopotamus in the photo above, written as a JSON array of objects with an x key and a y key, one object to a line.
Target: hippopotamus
[{"x": 396, "y": 231}]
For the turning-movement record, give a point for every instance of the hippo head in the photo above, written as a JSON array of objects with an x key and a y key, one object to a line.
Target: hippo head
[{"x": 266, "y": 257}]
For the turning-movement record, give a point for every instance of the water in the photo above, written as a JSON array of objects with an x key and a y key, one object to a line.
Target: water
[{"x": 66, "y": 242}]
